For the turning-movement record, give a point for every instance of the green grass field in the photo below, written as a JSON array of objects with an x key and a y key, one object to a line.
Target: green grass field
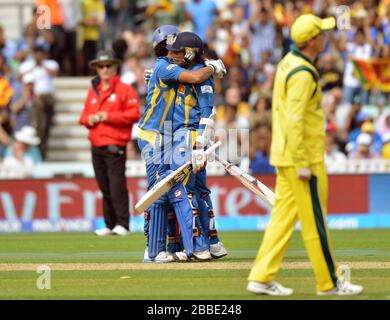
[{"x": 86, "y": 267}]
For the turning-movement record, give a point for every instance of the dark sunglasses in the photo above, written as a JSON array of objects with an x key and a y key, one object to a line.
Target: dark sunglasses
[{"x": 105, "y": 66}]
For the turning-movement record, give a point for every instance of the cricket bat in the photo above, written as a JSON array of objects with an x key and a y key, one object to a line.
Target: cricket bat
[
  {"x": 258, "y": 188},
  {"x": 170, "y": 180}
]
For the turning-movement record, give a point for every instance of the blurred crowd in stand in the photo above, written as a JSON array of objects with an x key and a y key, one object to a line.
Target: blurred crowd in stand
[{"x": 251, "y": 36}]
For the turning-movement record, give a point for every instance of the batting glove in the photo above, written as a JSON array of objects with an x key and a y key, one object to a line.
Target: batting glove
[
  {"x": 199, "y": 159},
  {"x": 218, "y": 67},
  {"x": 147, "y": 75}
]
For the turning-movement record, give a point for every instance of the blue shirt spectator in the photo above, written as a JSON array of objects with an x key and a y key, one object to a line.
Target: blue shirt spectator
[
  {"x": 22, "y": 101},
  {"x": 23, "y": 151},
  {"x": 8, "y": 48},
  {"x": 260, "y": 164},
  {"x": 263, "y": 36},
  {"x": 202, "y": 13}
]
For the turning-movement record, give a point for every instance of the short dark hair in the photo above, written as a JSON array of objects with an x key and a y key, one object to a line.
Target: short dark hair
[
  {"x": 40, "y": 48},
  {"x": 360, "y": 30},
  {"x": 120, "y": 47},
  {"x": 160, "y": 49}
]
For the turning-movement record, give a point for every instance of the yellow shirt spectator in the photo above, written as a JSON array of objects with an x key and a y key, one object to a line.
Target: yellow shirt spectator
[
  {"x": 93, "y": 12},
  {"x": 5, "y": 92}
]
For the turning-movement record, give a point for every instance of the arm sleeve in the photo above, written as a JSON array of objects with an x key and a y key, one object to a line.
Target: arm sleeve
[
  {"x": 129, "y": 113},
  {"x": 170, "y": 73},
  {"x": 205, "y": 95},
  {"x": 84, "y": 115},
  {"x": 300, "y": 88}
]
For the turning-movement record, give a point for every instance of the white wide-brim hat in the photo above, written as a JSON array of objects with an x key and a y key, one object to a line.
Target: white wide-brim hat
[
  {"x": 27, "y": 135},
  {"x": 28, "y": 78}
]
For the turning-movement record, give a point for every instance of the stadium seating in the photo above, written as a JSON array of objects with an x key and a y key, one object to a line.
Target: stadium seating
[{"x": 68, "y": 140}]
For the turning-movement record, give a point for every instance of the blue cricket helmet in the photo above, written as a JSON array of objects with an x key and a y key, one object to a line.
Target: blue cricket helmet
[
  {"x": 162, "y": 33},
  {"x": 186, "y": 40}
]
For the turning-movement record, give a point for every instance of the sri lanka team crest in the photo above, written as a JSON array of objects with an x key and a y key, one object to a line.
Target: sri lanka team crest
[{"x": 178, "y": 194}]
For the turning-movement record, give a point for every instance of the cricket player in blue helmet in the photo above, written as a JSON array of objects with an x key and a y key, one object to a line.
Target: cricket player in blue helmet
[
  {"x": 155, "y": 141},
  {"x": 193, "y": 127}
]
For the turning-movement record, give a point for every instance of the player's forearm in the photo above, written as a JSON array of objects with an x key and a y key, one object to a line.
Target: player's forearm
[{"x": 196, "y": 76}]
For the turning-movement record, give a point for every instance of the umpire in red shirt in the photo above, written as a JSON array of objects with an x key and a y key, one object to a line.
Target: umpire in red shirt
[{"x": 111, "y": 109}]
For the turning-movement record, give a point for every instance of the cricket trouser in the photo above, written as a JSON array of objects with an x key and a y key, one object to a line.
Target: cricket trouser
[
  {"x": 181, "y": 153},
  {"x": 156, "y": 154},
  {"x": 307, "y": 201}
]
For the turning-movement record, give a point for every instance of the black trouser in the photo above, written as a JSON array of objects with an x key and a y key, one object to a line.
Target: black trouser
[
  {"x": 109, "y": 166},
  {"x": 89, "y": 52},
  {"x": 71, "y": 51},
  {"x": 57, "y": 49},
  {"x": 42, "y": 114}
]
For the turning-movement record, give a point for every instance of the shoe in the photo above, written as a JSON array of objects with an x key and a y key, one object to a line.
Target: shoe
[
  {"x": 272, "y": 288},
  {"x": 146, "y": 256},
  {"x": 218, "y": 250},
  {"x": 180, "y": 256},
  {"x": 103, "y": 232},
  {"x": 120, "y": 231},
  {"x": 202, "y": 255},
  {"x": 164, "y": 257},
  {"x": 343, "y": 289}
]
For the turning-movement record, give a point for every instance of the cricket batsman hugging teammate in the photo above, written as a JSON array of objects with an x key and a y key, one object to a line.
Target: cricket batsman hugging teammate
[{"x": 175, "y": 129}]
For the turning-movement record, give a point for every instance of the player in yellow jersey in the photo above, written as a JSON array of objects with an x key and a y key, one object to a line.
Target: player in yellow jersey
[{"x": 297, "y": 151}]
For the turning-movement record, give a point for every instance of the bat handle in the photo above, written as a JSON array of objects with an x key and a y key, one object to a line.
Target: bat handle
[{"x": 212, "y": 148}]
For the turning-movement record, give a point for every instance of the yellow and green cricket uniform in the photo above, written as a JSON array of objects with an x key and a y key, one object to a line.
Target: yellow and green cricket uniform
[{"x": 298, "y": 134}]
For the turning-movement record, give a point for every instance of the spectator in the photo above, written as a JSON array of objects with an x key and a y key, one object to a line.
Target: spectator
[
  {"x": 23, "y": 153},
  {"x": 4, "y": 141},
  {"x": 385, "y": 29},
  {"x": 120, "y": 16},
  {"x": 260, "y": 148},
  {"x": 72, "y": 18},
  {"x": 93, "y": 12},
  {"x": 22, "y": 103},
  {"x": 366, "y": 127},
  {"x": 384, "y": 124},
  {"x": 333, "y": 154},
  {"x": 42, "y": 112},
  {"x": 263, "y": 32},
  {"x": 5, "y": 85},
  {"x": 6, "y": 93},
  {"x": 57, "y": 44},
  {"x": 331, "y": 77},
  {"x": 202, "y": 14},
  {"x": 359, "y": 48},
  {"x": 354, "y": 120},
  {"x": 237, "y": 77},
  {"x": 8, "y": 48},
  {"x": 240, "y": 26},
  {"x": 262, "y": 112},
  {"x": 363, "y": 150},
  {"x": 233, "y": 98},
  {"x": 233, "y": 132},
  {"x": 32, "y": 37},
  {"x": 386, "y": 146},
  {"x": 263, "y": 69},
  {"x": 166, "y": 12}
]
